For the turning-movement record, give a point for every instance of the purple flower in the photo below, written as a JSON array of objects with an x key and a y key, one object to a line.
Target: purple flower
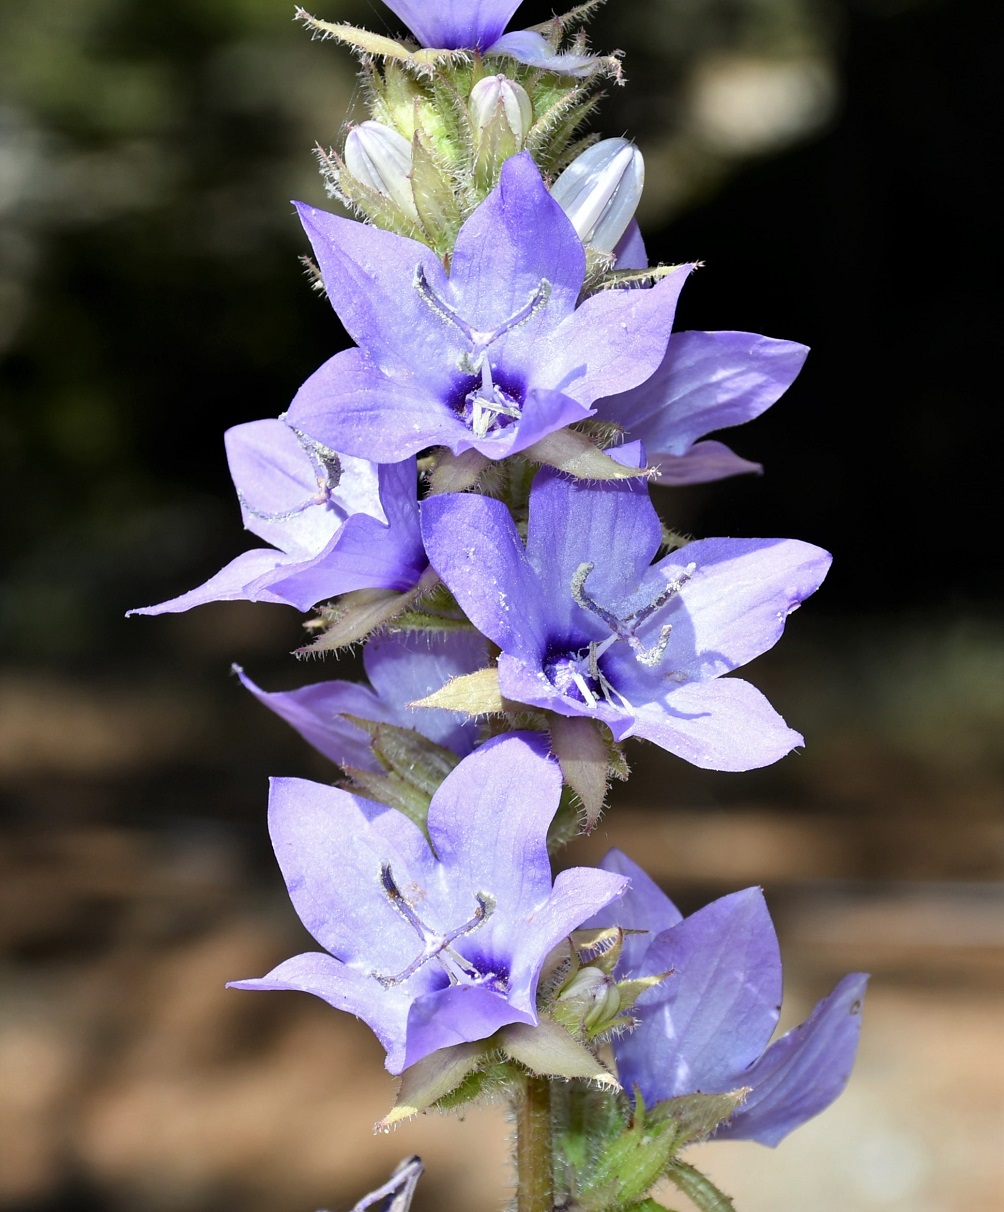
[
  {"x": 336, "y": 522},
  {"x": 431, "y": 946},
  {"x": 589, "y": 627},
  {"x": 707, "y": 381},
  {"x": 492, "y": 357},
  {"x": 478, "y": 25},
  {"x": 706, "y": 1027},
  {"x": 401, "y": 668}
]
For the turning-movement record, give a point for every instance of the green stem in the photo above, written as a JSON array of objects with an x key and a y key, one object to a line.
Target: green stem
[
  {"x": 701, "y": 1190},
  {"x": 534, "y": 1183}
]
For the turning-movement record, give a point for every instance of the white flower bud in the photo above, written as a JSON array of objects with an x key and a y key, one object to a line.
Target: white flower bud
[
  {"x": 497, "y": 98},
  {"x": 380, "y": 157},
  {"x": 594, "y": 995},
  {"x": 600, "y": 191}
]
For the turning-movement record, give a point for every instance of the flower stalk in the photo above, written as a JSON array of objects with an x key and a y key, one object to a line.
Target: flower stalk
[{"x": 534, "y": 1148}]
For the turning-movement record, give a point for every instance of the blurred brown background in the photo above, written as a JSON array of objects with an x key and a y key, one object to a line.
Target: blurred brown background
[{"x": 831, "y": 164}]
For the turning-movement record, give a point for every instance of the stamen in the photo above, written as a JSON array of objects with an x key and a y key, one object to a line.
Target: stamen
[
  {"x": 327, "y": 468},
  {"x": 437, "y": 946}
]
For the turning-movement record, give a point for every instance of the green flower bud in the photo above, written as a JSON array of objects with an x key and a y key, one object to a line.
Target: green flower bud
[{"x": 591, "y": 997}]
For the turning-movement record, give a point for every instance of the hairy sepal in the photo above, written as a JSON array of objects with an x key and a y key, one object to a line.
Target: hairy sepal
[
  {"x": 698, "y": 1115},
  {"x": 472, "y": 693},
  {"x": 358, "y": 614},
  {"x": 548, "y": 1050},
  {"x": 574, "y": 453}
]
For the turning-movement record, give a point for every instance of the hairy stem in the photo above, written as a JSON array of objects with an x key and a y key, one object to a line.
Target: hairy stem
[
  {"x": 533, "y": 1147},
  {"x": 701, "y": 1190}
]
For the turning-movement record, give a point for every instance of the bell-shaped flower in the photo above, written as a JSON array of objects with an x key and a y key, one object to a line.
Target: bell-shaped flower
[
  {"x": 335, "y": 522},
  {"x": 432, "y": 945},
  {"x": 401, "y": 667},
  {"x": 707, "y": 381},
  {"x": 600, "y": 191},
  {"x": 493, "y": 356},
  {"x": 588, "y": 626},
  {"x": 479, "y": 25},
  {"x": 707, "y": 1027}
]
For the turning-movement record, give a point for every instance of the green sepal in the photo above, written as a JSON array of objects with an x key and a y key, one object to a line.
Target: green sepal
[
  {"x": 431, "y": 1079},
  {"x": 472, "y": 693},
  {"x": 701, "y": 1191},
  {"x": 364, "y": 42},
  {"x": 549, "y": 1050},
  {"x": 354, "y": 616},
  {"x": 698, "y": 1115},
  {"x": 628, "y": 1165},
  {"x": 435, "y": 197},
  {"x": 404, "y": 752}
]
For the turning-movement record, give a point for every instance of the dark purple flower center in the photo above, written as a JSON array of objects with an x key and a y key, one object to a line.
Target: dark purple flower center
[
  {"x": 438, "y": 945},
  {"x": 489, "y": 399}
]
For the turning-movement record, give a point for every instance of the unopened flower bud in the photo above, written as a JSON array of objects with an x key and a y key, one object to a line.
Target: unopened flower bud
[
  {"x": 380, "y": 158},
  {"x": 498, "y": 100},
  {"x": 600, "y": 191},
  {"x": 594, "y": 997}
]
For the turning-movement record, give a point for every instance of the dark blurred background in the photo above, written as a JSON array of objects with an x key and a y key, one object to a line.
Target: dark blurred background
[{"x": 831, "y": 164}]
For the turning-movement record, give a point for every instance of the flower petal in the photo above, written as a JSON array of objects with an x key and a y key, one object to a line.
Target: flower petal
[
  {"x": 707, "y": 381},
  {"x": 344, "y": 988},
  {"x": 247, "y": 578},
  {"x": 458, "y": 1014},
  {"x": 466, "y": 535},
  {"x": 702, "y": 463},
  {"x": 723, "y": 724},
  {"x": 734, "y": 605},
  {"x": 630, "y": 249},
  {"x": 615, "y": 339},
  {"x": 331, "y": 847},
  {"x": 516, "y": 239},
  {"x": 644, "y": 907},
  {"x": 369, "y": 276},
  {"x": 533, "y": 49},
  {"x": 455, "y": 24},
  {"x": 711, "y": 1019},
  {"x": 803, "y": 1072},
  {"x": 315, "y": 713},
  {"x": 488, "y": 826},
  {"x": 350, "y": 404}
]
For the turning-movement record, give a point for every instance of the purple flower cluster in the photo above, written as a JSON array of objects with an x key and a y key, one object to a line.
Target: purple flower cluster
[{"x": 556, "y": 597}]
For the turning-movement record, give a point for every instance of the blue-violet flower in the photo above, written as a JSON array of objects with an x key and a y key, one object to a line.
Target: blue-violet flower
[
  {"x": 402, "y": 667},
  {"x": 706, "y": 1028},
  {"x": 336, "y": 522},
  {"x": 432, "y": 946},
  {"x": 493, "y": 356},
  {"x": 588, "y": 626}
]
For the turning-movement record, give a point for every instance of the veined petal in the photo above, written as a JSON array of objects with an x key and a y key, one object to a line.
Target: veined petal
[
  {"x": 276, "y": 481},
  {"x": 344, "y": 988},
  {"x": 407, "y": 666},
  {"x": 316, "y": 714},
  {"x": 369, "y": 276},
  {"x": 533, "y": 49},
  {"x": 734, "y": 605},
  {"x": 331, "y": 847},
  {"x": 707, "y": 381},
  {"x": 723, "y": 724},
  {"x": 488, "y": 825},
  {"x": 616, "y": 338},
  {"x": 465, "y": 536},
  {"x": 713, "y": 1016},
  {"x": 579, "y": 521},
  {"x": 517, "y": 238},
  {"x": 579, "y": 892},
  {"x": 457, "y": 1014},
  {"x": 643, "y": 907},
  {"x": 249, "y": 578},
  {"x": 702, "y": 463},
  {"x": 350, "y": 404},
  {"x": 455, "y": 24},
  {"x": 803, "y": 1072}
]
